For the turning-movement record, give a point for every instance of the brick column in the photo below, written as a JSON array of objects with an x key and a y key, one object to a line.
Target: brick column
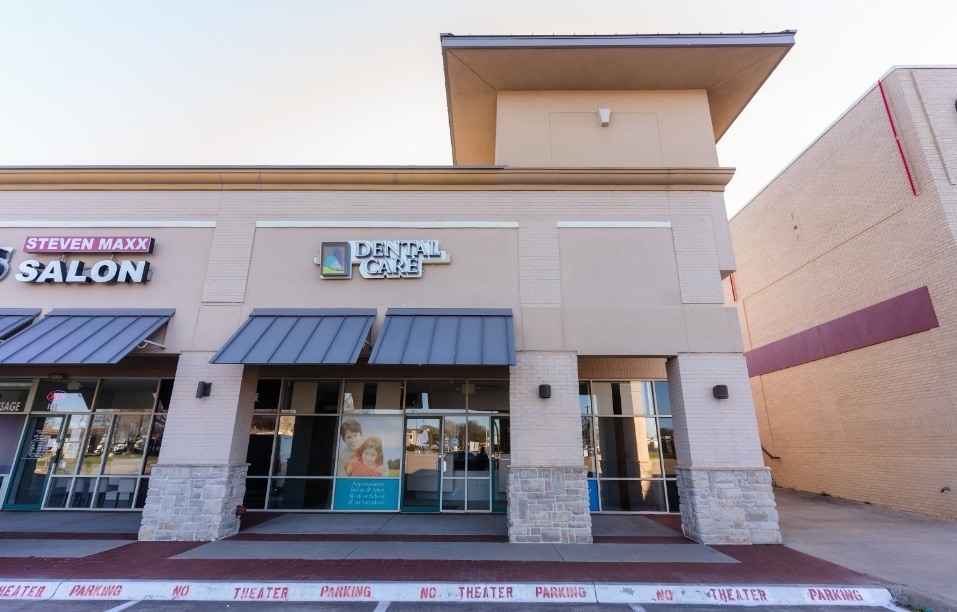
[
  {"x": 547, "y": 485},
  {"x": 725, "y": 490},
  {"x": 201, "y": 474}
]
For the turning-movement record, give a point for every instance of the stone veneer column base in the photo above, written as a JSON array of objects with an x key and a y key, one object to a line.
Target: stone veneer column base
[
  {"x": 193, "y": 502},
  {"x": 548, "y": 504},
  {"x": 728, "y": 506}
]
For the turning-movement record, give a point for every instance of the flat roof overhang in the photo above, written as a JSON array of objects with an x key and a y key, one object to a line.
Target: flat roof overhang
[
  {"x": 345, "y": 178},
  {"x": 729, "y": 67}
]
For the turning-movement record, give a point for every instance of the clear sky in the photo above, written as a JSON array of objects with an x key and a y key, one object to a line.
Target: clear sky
[{"x": 283, "y": 82}]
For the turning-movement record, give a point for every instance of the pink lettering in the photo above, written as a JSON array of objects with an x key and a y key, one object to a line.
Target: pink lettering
[
  {"x": 486, "y": 592},
  {"x": 427, "y": 593},
  {"x": 560, "y": 592},
  {"x": 664, "y": 595},
  {"x": 96, "y": 590},
  {"x": 346, "y": 591}
]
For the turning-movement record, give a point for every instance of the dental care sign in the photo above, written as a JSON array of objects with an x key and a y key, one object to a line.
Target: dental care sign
[
  {"x": 379, "y": 258},
  {"x": 75, "y": 271}
]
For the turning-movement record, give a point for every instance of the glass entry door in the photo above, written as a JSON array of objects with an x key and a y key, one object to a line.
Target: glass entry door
[
  {"x": 39, "y": 456},
  {"x": 421, "y": 480},
  {"x": 455, "y": 463}
]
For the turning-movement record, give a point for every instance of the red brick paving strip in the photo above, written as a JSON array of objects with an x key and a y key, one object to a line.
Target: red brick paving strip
[
  {"x": 767, "y": 564},
  {"x": 379, "y": 537},
  {"x": 63, "y": 535}
]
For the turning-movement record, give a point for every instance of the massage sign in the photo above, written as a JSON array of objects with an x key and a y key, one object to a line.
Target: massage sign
[{"x": 73, "y": 270}]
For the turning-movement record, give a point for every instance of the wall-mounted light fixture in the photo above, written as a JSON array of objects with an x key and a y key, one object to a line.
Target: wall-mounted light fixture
[
  {"x": 58, "y": 376},
  {"x": 604, "y": 116},
  {"x": 544, "y": 391},
  {"x": 720, "y": 392},
  {"x": 203, "y": 388}
]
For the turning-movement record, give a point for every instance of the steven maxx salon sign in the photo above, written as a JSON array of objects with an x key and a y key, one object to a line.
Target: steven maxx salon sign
[{"x": 76, "y": 271}]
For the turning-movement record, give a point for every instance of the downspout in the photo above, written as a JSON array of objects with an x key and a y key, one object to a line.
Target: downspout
[{"x": 900, "y": 149}]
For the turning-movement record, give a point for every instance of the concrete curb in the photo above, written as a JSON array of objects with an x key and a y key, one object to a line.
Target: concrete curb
[
  {"x": 712, "y": 595},
  {"x": 913, "y": 598}
]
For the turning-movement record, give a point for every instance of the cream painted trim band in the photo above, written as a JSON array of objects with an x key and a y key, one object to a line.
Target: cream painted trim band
[
  {"x": 393, "y": 224},
  {"x": 451, "y": 178},
  {"x": 105, "y": 223},
  {"x": 662, "y": 224}
]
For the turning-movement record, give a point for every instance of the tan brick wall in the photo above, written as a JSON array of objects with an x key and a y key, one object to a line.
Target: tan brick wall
[
  {"x": 712, "y": 433},
  {"x": 621, "y": 368},
  {"x": 837, "y": 231},
  {"x": 227, "y": 255},
  {"x": 212, "y": 430},
  {"x": 545, "y": 432}
]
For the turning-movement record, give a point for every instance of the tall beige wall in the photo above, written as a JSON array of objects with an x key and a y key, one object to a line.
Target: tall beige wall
[
  {"x": 592, "y": 272},
  {"x": 648, "y": 129},
  {"x": 839, "y": 230}
]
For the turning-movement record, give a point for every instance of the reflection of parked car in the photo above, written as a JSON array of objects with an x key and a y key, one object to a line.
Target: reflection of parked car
[
  {"x": 119, "y": 447},
  {"x": 138, "y": 445}
]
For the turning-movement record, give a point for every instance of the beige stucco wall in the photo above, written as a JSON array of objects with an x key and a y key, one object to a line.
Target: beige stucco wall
[
  {"x": 591, "y": 272},
  {"x": 837, "y": 231},
  {"x": 669, "y": 129}
]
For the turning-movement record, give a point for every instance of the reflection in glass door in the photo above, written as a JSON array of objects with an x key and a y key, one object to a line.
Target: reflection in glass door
[
  {"x": 501, "y": 459},
  {"x": 423, "y": 463},
  {"x": 38, "y": 456}
]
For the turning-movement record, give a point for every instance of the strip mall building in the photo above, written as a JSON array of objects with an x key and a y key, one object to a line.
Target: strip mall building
[{"x": 539, "y": 329}]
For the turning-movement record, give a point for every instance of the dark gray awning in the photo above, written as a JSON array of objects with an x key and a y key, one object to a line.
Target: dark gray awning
[
  {"x": 87, "y": 336},
  {"x": 13, "y": 320},
  {"x": 446, "y": 336},
  {"x": 307, "y": 336}
]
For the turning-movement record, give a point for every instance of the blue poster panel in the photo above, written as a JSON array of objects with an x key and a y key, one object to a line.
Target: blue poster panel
[
  {"x": 368, "y": 463},
  {"x": 593, "y": 495},
  {"x": 366, "y": 494},
  {"x": 369, "y": 446}
]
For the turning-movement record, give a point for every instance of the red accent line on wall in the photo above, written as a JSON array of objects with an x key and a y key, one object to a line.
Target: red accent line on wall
[
  {"x": 904, "y": 315},
  {"x": 900, "y": 149}
]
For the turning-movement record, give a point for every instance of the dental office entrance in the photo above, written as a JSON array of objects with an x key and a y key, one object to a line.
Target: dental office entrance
[{"x": 409, "y": 445}]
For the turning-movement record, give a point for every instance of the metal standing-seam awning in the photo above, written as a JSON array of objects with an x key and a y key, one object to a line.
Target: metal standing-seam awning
[
  {"x": 13, "y": 320},
  {"x": 83, "y": 336},
  {"x": 283, "y": 336},
  {"x": 446, "y": 336}
]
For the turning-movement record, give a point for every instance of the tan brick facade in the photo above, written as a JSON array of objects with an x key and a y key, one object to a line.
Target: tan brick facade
[
  {"x": 605, "y": 243},
  {"x": 837, "y": 232}
]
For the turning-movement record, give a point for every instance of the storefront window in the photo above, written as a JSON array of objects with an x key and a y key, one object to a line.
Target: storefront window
[
  {"x": 487, "y": 395},
  {"x": 95, "y": 455},
  {"x": 126, "y": 394},
  {"x": 445, "y": 395},
  {"x": 365, "y": 397},
  {"x": 14, "y": 395},
  {"x": 126, "y": 448},
  {"x": 83, "y": 444},
  {"x": 292, "y": 445},
  {"x": 65, "y": 395},
  {"x": 314, "y": 448},
  {"x": 628, "y": 446}
]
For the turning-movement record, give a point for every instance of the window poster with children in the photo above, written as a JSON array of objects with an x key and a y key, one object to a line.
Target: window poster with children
[{"x": 369, "y": 460}]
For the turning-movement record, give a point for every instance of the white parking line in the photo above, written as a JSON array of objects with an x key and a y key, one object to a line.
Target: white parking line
[
  {"x": 382, "y": 607},
  {"x": 637, "y": 608},
  {"x": 128, "y": 604}
]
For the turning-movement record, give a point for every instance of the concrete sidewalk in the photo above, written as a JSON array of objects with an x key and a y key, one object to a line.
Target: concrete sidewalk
[
  {"x": 902, "y": 548},
  {"x": 827, "y": 542}
]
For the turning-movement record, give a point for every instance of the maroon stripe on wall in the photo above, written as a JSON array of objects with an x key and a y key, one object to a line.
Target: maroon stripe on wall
[{"x": 904, "y": 315}]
